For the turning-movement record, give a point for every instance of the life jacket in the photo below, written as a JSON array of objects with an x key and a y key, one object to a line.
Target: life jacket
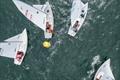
[
  {"x": 19, "y": 55},
  {"x": 48, "y": 27}
]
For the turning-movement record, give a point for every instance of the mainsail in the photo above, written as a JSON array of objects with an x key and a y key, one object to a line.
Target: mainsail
[
  {"x": 78, "y": 14},
  {"x": 104, "y": 72},
  {"x": 40, "y": 15},
  {"x": 11, "y": 46},
  {"x": 35, "y": 15},
  {"x": 8, "y": 47}
]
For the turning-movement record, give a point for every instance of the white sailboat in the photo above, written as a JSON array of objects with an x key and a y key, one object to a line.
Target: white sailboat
[
  {"x": 78, "y": 15},
  {"x": 15, "y": 47},
  {"x": 104, "y": 72},
  {"x": 40, "y": 15}
]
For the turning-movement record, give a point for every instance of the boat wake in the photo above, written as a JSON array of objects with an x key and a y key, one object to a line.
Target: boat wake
[{"x": 96, "y": 60}]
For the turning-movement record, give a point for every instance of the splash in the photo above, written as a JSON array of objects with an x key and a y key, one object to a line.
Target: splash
[{"x": 96, "y": 60}]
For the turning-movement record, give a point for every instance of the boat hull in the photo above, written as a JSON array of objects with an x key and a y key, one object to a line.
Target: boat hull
[
  {"x": 22, "y": 47},
  {"x": 78, "y": 13},
  {"x": 49, "y": 19},
  {"x": 104, "y": 72}
]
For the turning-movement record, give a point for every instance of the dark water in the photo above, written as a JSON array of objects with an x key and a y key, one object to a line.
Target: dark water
[{"x": 69, "y": 58}]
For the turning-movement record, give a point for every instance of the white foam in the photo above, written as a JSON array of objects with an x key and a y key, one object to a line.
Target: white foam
[
  {"x": 110, "y": 2},
  {"x": 102, "y": 3},
  {"x": 84, "y": 78},
  {"x": 26, "y": 67},
  {"x": 65, "y": 2},
  {"x": 117, "y": 17},
  {"x": 96, "y": 60}
]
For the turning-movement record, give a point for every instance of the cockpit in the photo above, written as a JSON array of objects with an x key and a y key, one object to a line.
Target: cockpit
[
  {"x": 19, "y": 55},
  {"x": 48, "y": 27},
  {"x": 75, "y": 26}
]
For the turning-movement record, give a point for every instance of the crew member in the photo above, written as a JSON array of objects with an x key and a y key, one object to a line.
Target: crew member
[
  {"x": 76, "y": 25},
  {"x": 48, "y": 27},
  {"x": 19, "y": 55}
]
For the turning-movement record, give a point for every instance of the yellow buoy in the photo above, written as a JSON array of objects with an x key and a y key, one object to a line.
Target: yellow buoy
[{"x": 46, "y": 44}]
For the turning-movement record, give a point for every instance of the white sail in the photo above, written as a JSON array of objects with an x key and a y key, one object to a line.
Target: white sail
[
  {"x": 8, "y": 49},
  {"x": 22, "y": 47},
  {"x": 35, "y": 15},
  {"x": 78, "y": 13},
  {"x": 40, "y": 15},
  {"x": 47, "y": 9},
  {"x": 49, "y": 19},
  {"x": 10, "y": 46},
  {"x": 13, "y": 39},
  {"x": 104, "y": 72}
]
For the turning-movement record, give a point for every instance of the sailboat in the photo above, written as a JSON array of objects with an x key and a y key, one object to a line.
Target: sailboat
[
  {"x": 78, "y": 15},
  {"x": 40, "y": 15},
  {"x": 15, "y": 47},
  {"x": 104, "y": 72}
]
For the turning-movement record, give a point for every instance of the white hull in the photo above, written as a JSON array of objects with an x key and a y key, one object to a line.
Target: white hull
[
  {"x": 50, "y": 20},
  {"x": 76, "y": 15},
  {"x": 37, "y": 14},
  {"x": 104, "y": 72},
  {"x": 22, "y": 47},
  {"x": 10, "y": 46}
]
